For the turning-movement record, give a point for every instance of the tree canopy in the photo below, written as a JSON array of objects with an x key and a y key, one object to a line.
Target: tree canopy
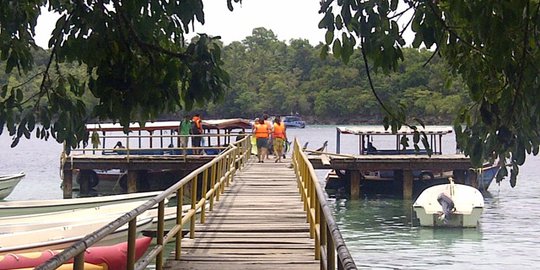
[
  {"x": 138, "y": 65},
  {"x": 137, "y": 61},
  {"x": 492, "y": 45}
]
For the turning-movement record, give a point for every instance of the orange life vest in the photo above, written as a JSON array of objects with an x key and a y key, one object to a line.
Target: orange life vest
[
  {"x": 261, "y": 131},
  {"x": 279, "y": 130},
  {"x": 198, "y": 122}
]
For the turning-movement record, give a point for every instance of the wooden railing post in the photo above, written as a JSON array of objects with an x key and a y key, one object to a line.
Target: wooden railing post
[
  {"x": 179, "y": 204},
  {"x": 323, "y": 228}
]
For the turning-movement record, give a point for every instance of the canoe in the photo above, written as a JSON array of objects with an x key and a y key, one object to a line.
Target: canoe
[
  {"x": 103, "y": 257},
  {"x": 8, "y": 183},
  {"x": 13, "y": 224},
  {"x": 59, "y": 237},
  {"x": 15, "y": 208},
  {"x": 449, "y": 205}
]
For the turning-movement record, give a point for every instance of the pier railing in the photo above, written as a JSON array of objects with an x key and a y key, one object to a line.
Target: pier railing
[
  {"x": 329, "y": 244},
  {"x": 156, "y": 144},
  {"x": 215, "y": 176}
]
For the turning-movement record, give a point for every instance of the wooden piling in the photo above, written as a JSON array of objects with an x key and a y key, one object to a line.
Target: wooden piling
[
  {"x": 407, "y": 184},
  {"x": 355, "y": 184}
]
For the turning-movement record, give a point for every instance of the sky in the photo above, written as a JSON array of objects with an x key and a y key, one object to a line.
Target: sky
[{"x": 288, "y": 19}]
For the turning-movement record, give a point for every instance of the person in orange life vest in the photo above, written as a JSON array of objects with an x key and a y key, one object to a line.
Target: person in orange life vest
[
  {"x": 279, "y": 136},
  {"x": 270, "y": 128},
  {"x": 196, "y": 129},
  {"x": 260, "y": 130}
]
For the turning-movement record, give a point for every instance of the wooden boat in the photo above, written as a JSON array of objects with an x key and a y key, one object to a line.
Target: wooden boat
[
  {"x": 102, "y": 257},
  {"x": 8, "y": 183},
  {"x": 486, "y": 176},
  {"x": 62, "y": 236},
  {"x": 449, "y": 205},
  {"x": 14, "y": 208},
  {"x": 14, "y": 224}
]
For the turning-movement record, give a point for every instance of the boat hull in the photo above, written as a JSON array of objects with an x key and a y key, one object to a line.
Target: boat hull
[
  {"x": 468, "y": 203},
  {"x": 8, "y": 183},
  {"x": 60, "y": 237},
  {"x": 16, "y": 208}
]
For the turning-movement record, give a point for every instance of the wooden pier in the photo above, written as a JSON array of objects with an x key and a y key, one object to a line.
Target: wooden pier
[
  {"x": 258, "y": 223},
  {"x": 134, "y": 166},
  {"x": 457, "y": 164}
]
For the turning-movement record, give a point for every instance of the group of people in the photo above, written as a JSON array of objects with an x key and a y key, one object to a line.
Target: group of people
[
  {"x": 191, "y": 126},
  {"x": 266, "y": 134}
]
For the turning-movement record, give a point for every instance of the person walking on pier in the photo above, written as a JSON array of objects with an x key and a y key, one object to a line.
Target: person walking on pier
[
  {"x": 260, "y": 130},
  {"x": 279, "y": 137},
  {"x": 196, "y": 129},
  {"x": 183, "y": 131},
  {"x": 269, "y": 140}
]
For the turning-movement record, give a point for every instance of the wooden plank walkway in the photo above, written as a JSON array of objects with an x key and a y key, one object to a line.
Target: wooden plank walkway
[{"x": 259, "y": 223}]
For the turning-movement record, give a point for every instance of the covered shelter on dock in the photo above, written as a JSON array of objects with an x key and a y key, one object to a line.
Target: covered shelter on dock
[{"x": 366, "y": 133}]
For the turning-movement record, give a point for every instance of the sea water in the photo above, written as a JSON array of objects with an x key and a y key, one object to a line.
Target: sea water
[{"x": 378, "y": 230}]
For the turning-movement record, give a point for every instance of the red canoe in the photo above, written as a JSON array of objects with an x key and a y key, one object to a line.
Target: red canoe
[{"x": 108, "y": 257}]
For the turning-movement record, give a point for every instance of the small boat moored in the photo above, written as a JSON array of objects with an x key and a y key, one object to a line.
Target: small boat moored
[
  {"x": 64, "y": 235},
  {"x": 15, "y": 208},
  {"x": 293, "y": 121},
  {"x": 8, "y": 183},
  {"x": 449, "y": 205}
]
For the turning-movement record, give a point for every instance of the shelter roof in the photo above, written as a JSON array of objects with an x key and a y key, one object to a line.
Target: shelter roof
[{"x": 234, "y": 123}]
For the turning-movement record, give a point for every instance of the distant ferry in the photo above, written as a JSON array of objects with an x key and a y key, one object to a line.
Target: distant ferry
[{"x": 293, "y": 121}]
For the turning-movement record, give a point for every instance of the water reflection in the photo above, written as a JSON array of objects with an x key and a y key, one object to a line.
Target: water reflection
[{"x": 381, "y": 233}]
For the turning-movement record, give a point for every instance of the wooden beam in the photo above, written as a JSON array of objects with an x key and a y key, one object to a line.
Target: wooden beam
[{"x": 325, "y": 160}]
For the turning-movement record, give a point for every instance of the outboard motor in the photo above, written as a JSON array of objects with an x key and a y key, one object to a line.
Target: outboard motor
[{"x": 447, "y": 206}]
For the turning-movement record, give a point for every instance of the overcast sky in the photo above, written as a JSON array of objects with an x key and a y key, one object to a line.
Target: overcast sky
[{"x": 288, "y": 19}]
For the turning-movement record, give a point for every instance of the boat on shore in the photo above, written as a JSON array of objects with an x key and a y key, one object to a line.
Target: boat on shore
[
  {"x": 8, "y": 183},
  {"x": 449, "y": 205},
  {"x": 15, "y": 208}
]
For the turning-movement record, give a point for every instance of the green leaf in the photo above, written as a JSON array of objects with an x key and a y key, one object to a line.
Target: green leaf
[
  {"x": 329, "y": 37},
  {"x": 20, "y": 95},
  {"x": 336, "y": 48},
  {"x": 416, "y": 137},
  {"x": 339, "y": 22},
  {"x": 4, "y": 91},
  {"x": 394, "y": 4},
  {"x": 15, "y": 142}
]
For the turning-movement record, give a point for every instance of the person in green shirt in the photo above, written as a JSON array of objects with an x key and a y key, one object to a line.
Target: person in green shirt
[{"x": 183, "y": 131}]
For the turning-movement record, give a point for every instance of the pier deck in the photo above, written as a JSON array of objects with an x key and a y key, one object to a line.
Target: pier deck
[{"x": 259, "y": 223}]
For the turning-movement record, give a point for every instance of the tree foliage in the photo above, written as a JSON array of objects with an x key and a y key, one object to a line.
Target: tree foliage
[
  {"x": 138, "y": 64},
  {"x": 492, "y": 45}
]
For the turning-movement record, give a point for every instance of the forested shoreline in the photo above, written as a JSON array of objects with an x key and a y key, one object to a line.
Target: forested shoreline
[{"x": 279, "y": 78}]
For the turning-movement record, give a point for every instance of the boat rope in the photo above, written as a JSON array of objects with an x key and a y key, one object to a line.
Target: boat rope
[{"x": 14, "y": 256}]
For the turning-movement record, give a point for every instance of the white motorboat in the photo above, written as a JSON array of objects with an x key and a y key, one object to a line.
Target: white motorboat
[
  {"x": 21, "y": 223},
  {"x": 15, "y": 208},
  {"x": 8, "y": 183},
  {"x": 449, "y": 205}
]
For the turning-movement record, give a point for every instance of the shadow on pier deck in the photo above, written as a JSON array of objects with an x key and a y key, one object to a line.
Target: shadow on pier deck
[{"x": 259, "y": 223}]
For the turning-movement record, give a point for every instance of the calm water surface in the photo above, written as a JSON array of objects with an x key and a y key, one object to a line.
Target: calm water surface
[{"x": 377, "y": 230}]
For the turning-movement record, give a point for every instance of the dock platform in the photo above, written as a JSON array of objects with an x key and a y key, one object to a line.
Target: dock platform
[{"x": 258, "y": 223}]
